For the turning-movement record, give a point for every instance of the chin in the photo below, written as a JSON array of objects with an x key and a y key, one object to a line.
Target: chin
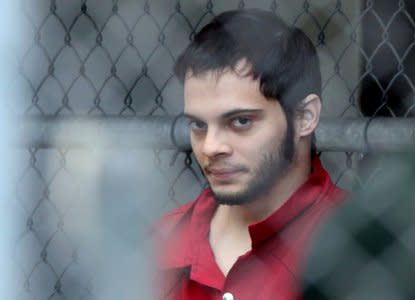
[{"x": 235, "y": 197}]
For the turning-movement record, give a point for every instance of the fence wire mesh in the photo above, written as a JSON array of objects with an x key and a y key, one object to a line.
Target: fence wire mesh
[{"x": 79, "y": 207}]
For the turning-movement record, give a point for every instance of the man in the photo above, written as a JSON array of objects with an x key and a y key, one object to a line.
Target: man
[{"x": 251, "y": 92}]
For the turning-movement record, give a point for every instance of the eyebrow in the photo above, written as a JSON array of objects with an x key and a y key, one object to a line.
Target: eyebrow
[{"x": 228, "y": 114}]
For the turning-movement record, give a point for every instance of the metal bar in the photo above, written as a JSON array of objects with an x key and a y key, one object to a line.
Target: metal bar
[
  {"x": 366, "y": 134},
  {"x": 338, "y": 135}
]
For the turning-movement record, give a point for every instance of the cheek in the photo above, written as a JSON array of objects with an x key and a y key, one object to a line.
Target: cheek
[
  {"x": 196, "y": 148},
  {"x": 278, "y": 132},
  {"x": 194, "y": 145},
  {"x": 271, "y": 137}
]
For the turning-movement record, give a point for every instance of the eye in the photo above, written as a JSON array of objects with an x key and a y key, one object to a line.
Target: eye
[
  {"x": 241, "y": 122},
  {"x": 197, "y": 126}
]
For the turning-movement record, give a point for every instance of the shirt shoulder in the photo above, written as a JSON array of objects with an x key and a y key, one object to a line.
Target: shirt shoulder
[
  {"x": 336, "y": 195},
  {"x": 173, "y": 218},
  {"x": 171, "y": 234},
  {"x": 169, "y": 220}
]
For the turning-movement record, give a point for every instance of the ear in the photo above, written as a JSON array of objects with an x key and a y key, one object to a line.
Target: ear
[{"x": 308, "y": 117}]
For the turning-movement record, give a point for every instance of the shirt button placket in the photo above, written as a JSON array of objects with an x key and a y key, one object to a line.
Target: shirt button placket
[{"x": 228, "y": 296}]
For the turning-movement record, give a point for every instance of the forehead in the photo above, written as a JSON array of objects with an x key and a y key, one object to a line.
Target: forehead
[{"x": 212, "y": 94}]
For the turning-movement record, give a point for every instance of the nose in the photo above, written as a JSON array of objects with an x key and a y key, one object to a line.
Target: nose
[{"x": 216, "y": 143}]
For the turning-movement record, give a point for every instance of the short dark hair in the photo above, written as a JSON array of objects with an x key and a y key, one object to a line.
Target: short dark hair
[{"x": 283, "y": 58}]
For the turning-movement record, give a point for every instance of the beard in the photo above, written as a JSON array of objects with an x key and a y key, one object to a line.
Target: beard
[{"x": 272, "y": 166}]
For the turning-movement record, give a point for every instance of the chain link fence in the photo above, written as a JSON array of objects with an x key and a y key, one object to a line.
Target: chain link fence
[{"x": 84, "y": 211}]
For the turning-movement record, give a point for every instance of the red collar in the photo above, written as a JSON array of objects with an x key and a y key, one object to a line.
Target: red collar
[{"x": 189, "y": 244}]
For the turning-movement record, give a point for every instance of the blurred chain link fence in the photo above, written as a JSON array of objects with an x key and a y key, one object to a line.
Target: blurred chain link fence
[{"x": 84, "y": 211}]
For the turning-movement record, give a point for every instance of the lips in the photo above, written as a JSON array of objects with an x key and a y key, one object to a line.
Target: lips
[{"x": 221, "y": 173}]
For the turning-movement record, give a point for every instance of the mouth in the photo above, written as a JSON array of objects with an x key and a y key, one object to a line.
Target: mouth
[{"x": 222, "y": 174}]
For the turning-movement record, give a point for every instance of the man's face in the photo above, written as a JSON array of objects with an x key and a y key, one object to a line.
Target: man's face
[{"x": 240, "y": 139}]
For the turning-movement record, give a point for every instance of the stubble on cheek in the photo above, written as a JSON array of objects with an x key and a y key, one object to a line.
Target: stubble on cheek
[{"x": 271, "y": 166}]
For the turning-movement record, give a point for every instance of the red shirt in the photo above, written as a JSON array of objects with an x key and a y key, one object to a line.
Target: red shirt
[{"x": 270, "y": 270}]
